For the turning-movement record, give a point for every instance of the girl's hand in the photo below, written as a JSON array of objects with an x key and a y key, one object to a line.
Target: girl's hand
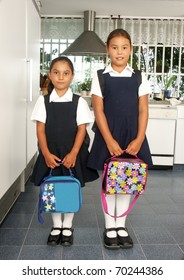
[
  {"x": 69, "y": 160},
  {"x": 134, "y": 147},
  {"x": 114, "y": 148},
  {"x": 52, "y": 160}
]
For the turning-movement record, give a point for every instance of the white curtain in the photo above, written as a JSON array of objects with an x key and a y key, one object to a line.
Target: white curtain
[{"x": 151, "y": 31}]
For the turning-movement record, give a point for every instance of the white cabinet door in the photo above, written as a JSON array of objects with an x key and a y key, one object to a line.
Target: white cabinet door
[
  {"x": 161, "y": 136},
  {"x": 179, "y": 150},
  {"x": 33, "y": 75},
  {"x": 12, "y": 92}
]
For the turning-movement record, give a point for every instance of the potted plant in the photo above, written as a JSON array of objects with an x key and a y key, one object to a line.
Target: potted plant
[
  {"x": 168, "y": 82},
  {"x": 85, "y": 87}
]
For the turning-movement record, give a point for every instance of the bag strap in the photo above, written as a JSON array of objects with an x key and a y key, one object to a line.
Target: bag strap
[
  {"x": 105, "y": 207},
  {"x": 40, "y": 218},
  {"x": 103, "y": 194}
]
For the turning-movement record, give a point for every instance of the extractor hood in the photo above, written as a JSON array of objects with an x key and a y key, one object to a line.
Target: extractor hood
[{"x": 88, "y": 43}]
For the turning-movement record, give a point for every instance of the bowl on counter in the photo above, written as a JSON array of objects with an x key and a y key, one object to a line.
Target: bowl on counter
[{"x": 158, "y": 96}]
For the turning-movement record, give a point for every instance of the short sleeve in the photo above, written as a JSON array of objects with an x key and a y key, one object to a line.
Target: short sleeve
[
  {"x": 95, "y": 86},
  {"x": 84, "y": 115},
  {"x": 39, "y": 112},
  {"x": 145, "y": 87}
]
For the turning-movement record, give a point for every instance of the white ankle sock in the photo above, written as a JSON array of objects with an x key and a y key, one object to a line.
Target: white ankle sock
[
  {"x": 110, "y": 221},
  {"x": 67, "y": 223},
  {"x": 122, "y": 204},
  {"x": 57, "y": 223}
]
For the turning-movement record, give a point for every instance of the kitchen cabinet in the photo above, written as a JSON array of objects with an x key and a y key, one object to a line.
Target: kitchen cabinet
[
  {"x": 179, "y": 146},
  {"x": 166, "y": 133},
  {"x": 161, "y": 137},
  {"x": 161, "y": 134},
  {"x": 19, "y": 29}
]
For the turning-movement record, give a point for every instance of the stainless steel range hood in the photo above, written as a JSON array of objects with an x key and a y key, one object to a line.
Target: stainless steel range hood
[{"x": 88, "y": 43}]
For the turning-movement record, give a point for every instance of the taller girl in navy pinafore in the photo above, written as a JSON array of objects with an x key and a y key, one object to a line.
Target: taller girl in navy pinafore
[
  {"x": 121, "y": 110},
  {"x": 61, "y": 129}
]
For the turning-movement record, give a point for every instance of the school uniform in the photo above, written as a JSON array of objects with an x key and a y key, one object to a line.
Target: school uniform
[
  {"x": 61, "y": 116},
  {"x": 120, "y": 100}
]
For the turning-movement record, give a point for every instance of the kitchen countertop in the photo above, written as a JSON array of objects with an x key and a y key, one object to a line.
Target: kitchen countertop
[
  {"x": 162, "y": 103},
  {"x": 152, "y": 104}
]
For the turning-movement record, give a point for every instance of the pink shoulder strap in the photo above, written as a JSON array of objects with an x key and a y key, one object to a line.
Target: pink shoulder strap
[{"x": 104, "y": 203}]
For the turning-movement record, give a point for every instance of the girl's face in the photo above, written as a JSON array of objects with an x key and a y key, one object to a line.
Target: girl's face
[
  {"x": 61, "y": 76},
  {"x": 119, "y": 50}
]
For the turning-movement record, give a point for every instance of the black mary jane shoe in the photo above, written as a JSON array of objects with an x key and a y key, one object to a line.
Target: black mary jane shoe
[
  {"x": 125, "y": 242},
  {"x": 54, "y": 240},
  {"x": 67, "y": 240},
  {"x": 110, "y": 242}
]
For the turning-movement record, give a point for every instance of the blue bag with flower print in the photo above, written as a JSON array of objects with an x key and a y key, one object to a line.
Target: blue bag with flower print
[
  {"x": 125, "y": 176},
  {"x": 60, "y": 194}
]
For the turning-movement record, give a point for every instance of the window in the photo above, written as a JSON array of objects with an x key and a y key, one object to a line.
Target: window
[{"x": 158, "y": 47}]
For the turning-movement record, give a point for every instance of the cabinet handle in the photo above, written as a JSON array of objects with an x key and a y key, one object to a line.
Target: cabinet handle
[{"x": 29, "y": 94}]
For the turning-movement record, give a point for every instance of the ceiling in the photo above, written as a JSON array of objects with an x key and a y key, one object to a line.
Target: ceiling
[{"x": 106, "y": 8}]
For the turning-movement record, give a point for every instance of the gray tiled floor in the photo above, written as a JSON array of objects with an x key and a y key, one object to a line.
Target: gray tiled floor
[{"x": 156, "y": 225}]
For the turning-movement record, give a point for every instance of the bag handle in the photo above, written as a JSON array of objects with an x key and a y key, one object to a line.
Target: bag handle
[
  {"x": 50, "y": 173},
  {"x": 71, "y": 173},
  {"x": 105, "y": 207},
  {"x": 124, "y": 151}
]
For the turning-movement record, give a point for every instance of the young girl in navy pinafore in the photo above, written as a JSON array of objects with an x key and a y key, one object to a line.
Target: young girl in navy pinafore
[
  {"x": 121, "y": 110},
  {"x": 61, "y": 129}
]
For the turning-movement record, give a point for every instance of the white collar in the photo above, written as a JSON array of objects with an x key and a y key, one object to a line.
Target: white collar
[
  {"x": 66, "y": 97},
  {"x": 109, "y": 69}
]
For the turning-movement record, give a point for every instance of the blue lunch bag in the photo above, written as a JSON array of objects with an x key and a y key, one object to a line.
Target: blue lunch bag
[{"x": 61, "y": 194}]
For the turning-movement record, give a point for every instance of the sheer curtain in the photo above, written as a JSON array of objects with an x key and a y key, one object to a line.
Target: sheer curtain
[
  {"x": 158, "y": 46},
  {"x": 151, "y": 31},
  {"x": 61, "y": 28}
]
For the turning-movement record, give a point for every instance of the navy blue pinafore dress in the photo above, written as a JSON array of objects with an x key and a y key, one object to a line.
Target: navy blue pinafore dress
[
  {"x": 61, "y": 129},
  {"x": 121, "y": 110}
]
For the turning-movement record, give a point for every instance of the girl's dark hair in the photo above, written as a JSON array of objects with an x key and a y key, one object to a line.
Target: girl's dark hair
[
  {"x": 60, "y": 58},
  {"x": 118, "y": 32}
]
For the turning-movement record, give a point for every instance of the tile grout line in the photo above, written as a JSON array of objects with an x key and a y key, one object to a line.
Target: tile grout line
[{"x": 27, "y": 231}]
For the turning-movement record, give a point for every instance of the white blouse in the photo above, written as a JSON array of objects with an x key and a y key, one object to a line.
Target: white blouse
[
  {"x": 144, "y": 88},
  {"x": 84, "y": 115}
]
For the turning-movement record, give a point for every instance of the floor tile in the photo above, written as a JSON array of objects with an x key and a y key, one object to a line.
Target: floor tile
[
  {"x": 37, "y": 236},
  {"x": 163, "y": 252},
  {"x": 12, "y": 237},
  {"x": 82, "y": 253},
  {"x": 86, "y": 235},
  {"x": 17, "y": 220},
  {"x": 153, "y": 235},
  {"x": 9, "y": 252},
  {"x": 134, "y": 253},
  {"x": 40, "y": 253},
  {"x": 23, "y": 207},
  {"x": 178, "y": 234}
]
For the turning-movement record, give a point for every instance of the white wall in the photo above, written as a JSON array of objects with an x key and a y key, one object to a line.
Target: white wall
[
  {"x": 33, "y": 54},
  {"x": 13, "y": 87}
]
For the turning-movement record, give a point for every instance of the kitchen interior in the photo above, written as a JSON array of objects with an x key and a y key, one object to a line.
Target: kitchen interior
[{"x": 38, "y": 31}]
